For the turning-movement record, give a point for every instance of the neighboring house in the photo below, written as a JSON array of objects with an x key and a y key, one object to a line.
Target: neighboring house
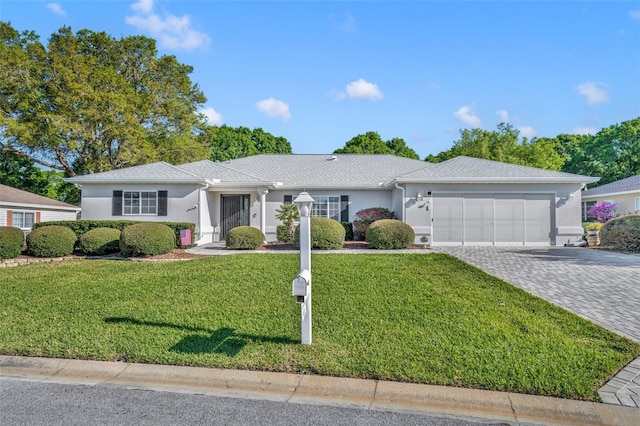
[
  {"x": 625, "y": 193},
  {"x": 461, "y": 201},
  {"x": 21, "y": 209}
]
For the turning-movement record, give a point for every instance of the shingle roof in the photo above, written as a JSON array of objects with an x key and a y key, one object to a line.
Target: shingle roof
[
  {"x": 154, "y": 172},
  {"x": 630, "y": 184},
  {"x": 10, "y": 195},
  {"x": 307, "y": 171},
  {"x": 469, "y": 169}
]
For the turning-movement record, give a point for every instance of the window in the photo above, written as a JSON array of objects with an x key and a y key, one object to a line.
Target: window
[
  {"x": 637, "y": 204},
  {"x": 23, "y": 220},
  {"x": 585, "y": 208},
  {"x": 139, "y": 202},
  {"x": 326, "y": 206}
]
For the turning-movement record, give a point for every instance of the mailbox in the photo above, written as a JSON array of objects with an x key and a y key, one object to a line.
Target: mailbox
[{"x": 300, "y": 285}]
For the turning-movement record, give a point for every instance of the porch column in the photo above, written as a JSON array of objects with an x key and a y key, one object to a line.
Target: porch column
[{"x": 263, "y": 210}]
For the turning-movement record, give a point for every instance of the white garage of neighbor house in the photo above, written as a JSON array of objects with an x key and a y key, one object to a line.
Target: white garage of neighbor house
[
  {"x": 21, "y": 209},
  {"x": 462, "y": 201}
]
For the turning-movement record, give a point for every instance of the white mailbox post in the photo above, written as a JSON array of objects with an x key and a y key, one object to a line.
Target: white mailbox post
[{"x": 301, "y": 286}]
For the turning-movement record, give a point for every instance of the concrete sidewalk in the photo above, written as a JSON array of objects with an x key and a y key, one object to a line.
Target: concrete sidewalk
[{"x": 510, "y": 408}]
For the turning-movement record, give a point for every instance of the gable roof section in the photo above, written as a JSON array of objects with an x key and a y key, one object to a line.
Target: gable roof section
[
  {"x": 160, "y": 172},
  {"x": 464, "y": 169},
  {"x": 312, "y": 171},
  {"x": 622, "y": 186},
  {"x": 10, "y": 196},
  {"x": 220, "y": 173}
]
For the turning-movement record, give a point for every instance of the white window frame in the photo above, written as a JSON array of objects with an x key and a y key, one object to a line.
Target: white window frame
[
  {"x": 143, "y": 203},
  {"x": 637, "y": 204},
  {"x": 23, "y": 213},
  {"x": 332, "y": 206}
]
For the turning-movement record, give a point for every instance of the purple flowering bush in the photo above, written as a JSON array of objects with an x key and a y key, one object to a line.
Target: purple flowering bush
[
  {"x": 603, "y": 211},
  {"x": 366, "y": 217}
]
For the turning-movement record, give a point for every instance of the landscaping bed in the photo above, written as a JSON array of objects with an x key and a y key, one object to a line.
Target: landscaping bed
[{"x": 422, "y": 318}]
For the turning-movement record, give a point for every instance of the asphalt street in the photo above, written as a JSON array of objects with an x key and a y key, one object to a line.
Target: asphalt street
[{"x": 24, "y": 402}]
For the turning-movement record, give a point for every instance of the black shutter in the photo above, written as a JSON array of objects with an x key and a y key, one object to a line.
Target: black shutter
[
  {"x": 344, "y": 208},
  {"x": 288, "y": 199},
  {"x": 162, "y": 203},
  {"x": 116, "y": 204}
]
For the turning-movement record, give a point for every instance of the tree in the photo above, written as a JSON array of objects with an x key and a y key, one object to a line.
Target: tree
[
  {"x": 503, "y": 145},
  {"x": 372, "y": 143},
  {"x": 19, "y": 172},
  {"x": 226, "y": 143},
  {"x": 88, "y": 102},
  {"x": 288, "y": 214}
]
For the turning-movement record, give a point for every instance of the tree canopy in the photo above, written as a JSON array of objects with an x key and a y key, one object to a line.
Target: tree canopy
[
  {"x": 87, "y": 102},
  {"x": 226, "y": 143},
  {"x": 503, "y": 145},
  {"x": 372, "y": 143}
]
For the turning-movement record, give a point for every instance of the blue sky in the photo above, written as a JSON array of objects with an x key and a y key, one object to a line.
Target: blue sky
[{"x": 319, "y": 73}]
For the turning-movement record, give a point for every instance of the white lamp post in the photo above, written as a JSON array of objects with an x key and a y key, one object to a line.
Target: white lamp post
[{"x": 302, "y": 283}]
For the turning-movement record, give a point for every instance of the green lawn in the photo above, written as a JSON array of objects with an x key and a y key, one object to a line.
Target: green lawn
[{"x": 415, "y": 318}]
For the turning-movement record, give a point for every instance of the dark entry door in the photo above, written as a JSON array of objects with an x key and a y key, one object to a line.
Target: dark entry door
[{"x": 234, "y": 212}]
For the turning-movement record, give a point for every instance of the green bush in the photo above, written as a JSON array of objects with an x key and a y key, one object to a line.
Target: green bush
[
  {"x": 51, "y": 241},
  {"x": 366, "y": 217},
  {"x": 282, "y": 234},
  {"x": 100, "y": 241},
  {"x": 622, "y": 233},
  {"x": 348, "y": 231},
  {"x": 11, "y": 240},
  {"x": 390, "y": 234},
  {"x": 326, "y": 234},
  {"x": 147, "y": 239},
  {"x": 244, "y": 238},
  {"x": 82, "y": 226}
]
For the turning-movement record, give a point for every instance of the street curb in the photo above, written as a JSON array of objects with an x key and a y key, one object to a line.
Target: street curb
[{"x": 322, "y": 390}]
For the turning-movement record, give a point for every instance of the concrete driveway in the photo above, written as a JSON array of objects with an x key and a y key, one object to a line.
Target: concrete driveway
[{"x": 601, "y": 286}]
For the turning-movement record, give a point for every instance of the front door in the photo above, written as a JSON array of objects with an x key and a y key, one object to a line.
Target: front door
[{"x": 234, "y": 212}]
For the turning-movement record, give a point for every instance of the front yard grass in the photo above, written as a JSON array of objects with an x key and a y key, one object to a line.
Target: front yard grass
[{"x": 423, "y": 318}]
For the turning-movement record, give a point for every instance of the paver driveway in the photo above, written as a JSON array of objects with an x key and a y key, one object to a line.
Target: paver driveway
[{"x": 601, "y": 286}]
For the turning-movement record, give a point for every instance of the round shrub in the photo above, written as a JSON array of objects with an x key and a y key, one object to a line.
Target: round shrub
[
  {"x": 100, "y": 241},
  {"x": 244, "y": 238},
  {"x": 147, "y": 239},
  {"x": 11, "y": 240},
  {"x": 51, "y": 241},
  {"x": 622, "y": 233},
  {"x": 366, "y": 217},
  {"x": 326, "y": 234},
  {"x": 390, "y": 234}
]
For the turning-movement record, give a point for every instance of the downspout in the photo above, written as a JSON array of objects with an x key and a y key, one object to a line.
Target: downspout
[
  {"x": 263, "y": 211},
  {"x": 402, "y": 188}
]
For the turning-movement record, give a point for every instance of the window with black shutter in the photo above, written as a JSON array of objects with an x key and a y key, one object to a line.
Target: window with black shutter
[{"x": 116, "y": 204}]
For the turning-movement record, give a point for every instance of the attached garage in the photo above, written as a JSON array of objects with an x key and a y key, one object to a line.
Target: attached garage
[{"x": 493, "y": 219}]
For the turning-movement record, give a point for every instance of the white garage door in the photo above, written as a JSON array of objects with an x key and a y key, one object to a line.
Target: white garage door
[{"x": 488, "y": 219}]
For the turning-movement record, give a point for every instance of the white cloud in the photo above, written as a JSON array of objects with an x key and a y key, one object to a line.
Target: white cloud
[
  {"x": 171, "y": 32},
  {"x": 527, "y": 131},
  {"x": 468, "y": 117},
  {"x": 347, "y": 24},
  {"x": 584, "y": 130},
  {"x": 274, "y": 108},
  {"x": 504, "y": 115},
  {"x": 363, "y": 89},
  {"x": 214, "y": 118},
  {"x": 56, "y": 8},
  {"x": 337, "y": 95},
  {"x": 635, "y": 14},
  {"x": 595, "y": 93}
]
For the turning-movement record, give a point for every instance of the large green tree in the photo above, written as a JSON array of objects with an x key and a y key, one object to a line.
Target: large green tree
[
  {"x": 87, "y": 102},
  {"x": 226, "y": 143},
  {"x": 503, "y": 145},
  {"x": 372, "y": 143}
]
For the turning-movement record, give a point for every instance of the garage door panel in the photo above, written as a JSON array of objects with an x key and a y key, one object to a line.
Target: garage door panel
[
  {"x": 509, "y": 219},
  {"x": 447, "y": 219},
  {"x": 478, "y": 219},
  {"x": 537, "y": 219}
]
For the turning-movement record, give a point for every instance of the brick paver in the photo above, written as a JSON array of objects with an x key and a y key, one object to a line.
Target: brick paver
[{"x": 601, "y": 286}]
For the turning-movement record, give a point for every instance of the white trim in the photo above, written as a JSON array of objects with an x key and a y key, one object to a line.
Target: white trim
[
  {"x": 38, "y": 206},
  {"x": 611, "y": 194},
  {"x": 13, "y": 218},
  {"x": 637, "y": 204}
]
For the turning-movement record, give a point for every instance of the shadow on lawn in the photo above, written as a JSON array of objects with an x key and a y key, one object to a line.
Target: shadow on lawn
[{"x": 224, "y": 340}]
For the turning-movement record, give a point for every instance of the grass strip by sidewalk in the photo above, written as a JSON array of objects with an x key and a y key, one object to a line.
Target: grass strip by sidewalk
[{"x": 424, "y": 318}]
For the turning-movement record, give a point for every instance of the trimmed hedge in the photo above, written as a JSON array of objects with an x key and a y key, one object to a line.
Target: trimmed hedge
[
  {"x": 390, "y": 234},
  {"x": 244, "y": 238},
  {"x": 82, "y": 226},
  {"x": 622, "y": 233},
  {"x": 51, "y": 241},
  {"x": 147, "y": 239},
  {"x": 366, "y": 217},
  {"x": 348, "y": 231},
  {"x": 282, "y": 234},
  {"x": 326, "y": 234},
  {"x": 11, "y": 240},
  {"x": 100, "y": 241}
]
